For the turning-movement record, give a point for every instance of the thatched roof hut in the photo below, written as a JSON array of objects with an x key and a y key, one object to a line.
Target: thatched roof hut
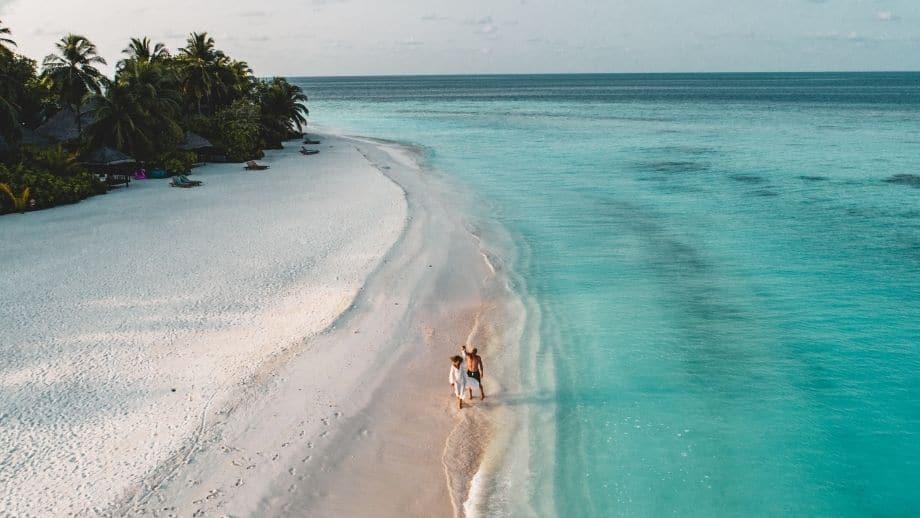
[
  {"x": 106, "y": 156},
  {"x": 63, "y": 125},
  {"x": 115, "y": 165},
  {"x": 195, "y": 142},
  {"x": 27, "y": 137},
  {"x": 31, "y": 138}
]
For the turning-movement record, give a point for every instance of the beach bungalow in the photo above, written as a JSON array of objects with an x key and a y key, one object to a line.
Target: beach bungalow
[
  {"x": 27, "y": 137},
  {"x": 202, "y": 147},
  {"x": 111, "y": 165},
  {"x": 63, "y": 125},
  {"x": 31, "y": 138}
]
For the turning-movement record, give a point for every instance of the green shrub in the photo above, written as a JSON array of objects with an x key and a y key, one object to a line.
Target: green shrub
[
  {"x": 239, "y": 131},
  {"x": 55, "y": 160},
  {"x": 47, "y": 189},
  {"x": 176, "y": 162}
]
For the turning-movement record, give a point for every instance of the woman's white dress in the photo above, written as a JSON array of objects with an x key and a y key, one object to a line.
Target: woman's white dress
[{"x": 461, "y": 381}]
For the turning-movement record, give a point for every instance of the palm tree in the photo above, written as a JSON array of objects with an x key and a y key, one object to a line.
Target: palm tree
[
  {"x": 236, "y": 78},
  {"x": 5, "y": 42},
  {"x": 9, "y": 118},
  {"x": 72, "y": 72},
  {"x": 151, "y": 82},
  {"x": 118, "y": 120},
  {"x": 8, "y": 109},
  {"x": 142, "y": 49},
  {"x": 155, "y": 90},
  {"x": 283, "y": 110},
  {"x": 201, "y": 61}
]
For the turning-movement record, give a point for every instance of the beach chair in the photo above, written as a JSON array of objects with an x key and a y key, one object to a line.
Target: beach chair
[
  {"x": 177, "y": 182},
  {"x": 308, "y": 152},
  {"x": 252, "y": 165},
  {"x": 184, "y": 179},
  {"x": 311, "y": 142}
]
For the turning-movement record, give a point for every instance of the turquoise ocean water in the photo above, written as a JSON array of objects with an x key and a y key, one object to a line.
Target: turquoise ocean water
[{"x": 727, "y": 269}]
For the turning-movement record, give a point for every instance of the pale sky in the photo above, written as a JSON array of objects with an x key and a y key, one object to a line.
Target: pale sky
[{"x": 356, "y": 37}]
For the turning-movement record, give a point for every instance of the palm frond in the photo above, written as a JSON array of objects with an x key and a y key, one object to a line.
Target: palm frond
[{"x": 21, "y": 201}]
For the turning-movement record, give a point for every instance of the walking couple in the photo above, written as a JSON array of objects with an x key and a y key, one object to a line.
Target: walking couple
[{"x": 462, "y": 380}]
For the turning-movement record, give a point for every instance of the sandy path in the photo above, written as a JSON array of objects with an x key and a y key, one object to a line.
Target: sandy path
[
  {"x": 354, "y": 422},
  {"x": 134, "y": 321}
]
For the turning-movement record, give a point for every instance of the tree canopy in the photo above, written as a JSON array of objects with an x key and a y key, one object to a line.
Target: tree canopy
[{"x": 154, "y": 98}]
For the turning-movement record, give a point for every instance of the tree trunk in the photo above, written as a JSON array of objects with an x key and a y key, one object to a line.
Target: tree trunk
[{"x": 77, "y": 109}]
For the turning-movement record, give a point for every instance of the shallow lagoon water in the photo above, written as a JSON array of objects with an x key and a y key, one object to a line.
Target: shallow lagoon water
[{"x": 727, "y": 269}]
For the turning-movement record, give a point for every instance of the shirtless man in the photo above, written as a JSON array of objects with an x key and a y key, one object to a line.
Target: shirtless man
[{"x": 474, "y": 369}]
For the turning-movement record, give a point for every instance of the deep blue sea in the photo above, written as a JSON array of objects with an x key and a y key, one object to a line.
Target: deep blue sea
[{"x": 727, "y": 269}]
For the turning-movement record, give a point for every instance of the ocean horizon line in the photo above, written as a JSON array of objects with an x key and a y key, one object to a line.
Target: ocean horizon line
[{"x": 610, "y": 74}]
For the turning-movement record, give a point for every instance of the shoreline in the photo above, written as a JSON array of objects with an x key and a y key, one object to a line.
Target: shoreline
[
  {"x": 392, "y": 439},
  {"x": 485, "y": 462},
  {"x": 254, "y": 441}
]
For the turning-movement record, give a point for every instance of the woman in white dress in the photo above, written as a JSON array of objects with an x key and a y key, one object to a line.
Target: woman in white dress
[{"x": 459, "y": 381}]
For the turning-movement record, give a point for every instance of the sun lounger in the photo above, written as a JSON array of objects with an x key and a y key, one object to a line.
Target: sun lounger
[
  {"x": 184, "y": 182},
  {"x": 176, "y": 182},
  {"x": 307, "y": 152},
  {"x": 252, "y": 165},
  {"x": 311, "y": 142}
]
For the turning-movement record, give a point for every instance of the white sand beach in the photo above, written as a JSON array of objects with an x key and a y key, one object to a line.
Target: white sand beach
[{"x": 270, "y": 342}]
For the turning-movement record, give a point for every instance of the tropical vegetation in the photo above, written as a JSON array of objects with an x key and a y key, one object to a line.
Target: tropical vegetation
[{"x": 145, "y": 110}]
